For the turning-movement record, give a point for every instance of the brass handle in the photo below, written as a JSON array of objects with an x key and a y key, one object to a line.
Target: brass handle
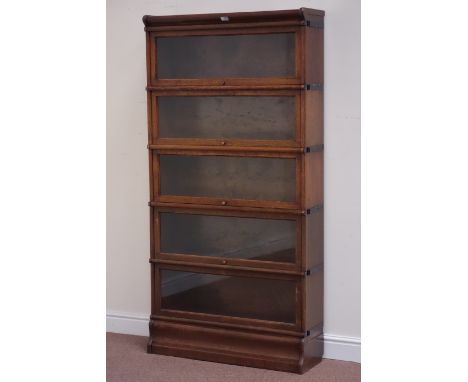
[{"x": 223, "y": 203}]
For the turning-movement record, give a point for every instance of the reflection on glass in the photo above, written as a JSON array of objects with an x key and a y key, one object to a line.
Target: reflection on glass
[
  {"x": 230, "y": 237},
  {"x": 247, "y": 297},
  {"x": 229, "y": 177},
  {"x": 260, "y": 55},
  {"x": 242, "y": 117}
]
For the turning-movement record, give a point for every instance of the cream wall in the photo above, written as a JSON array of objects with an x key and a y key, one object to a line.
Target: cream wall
[{"x": 128, "y": 282}]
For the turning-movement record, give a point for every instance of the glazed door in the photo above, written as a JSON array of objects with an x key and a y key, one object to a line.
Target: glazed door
[
  {"x": 215, "y": 118},
  {"x": 227, "y": 179},
  {"x": 221, "y": 295},
  {"x": 228, "y": 238},
  {"x": 225, "y": 57}
]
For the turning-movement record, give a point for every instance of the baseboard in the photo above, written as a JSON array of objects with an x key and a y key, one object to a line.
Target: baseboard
[
  {"x": 127, "y": 324},
  {"x": 342, "y": 348},
  {"x": 335, "y": 347}
]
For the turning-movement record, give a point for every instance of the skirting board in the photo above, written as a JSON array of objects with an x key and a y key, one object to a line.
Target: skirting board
[{"x": 335, "y": 347}]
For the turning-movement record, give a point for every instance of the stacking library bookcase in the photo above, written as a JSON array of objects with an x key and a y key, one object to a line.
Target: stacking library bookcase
[{"x": 235, "y": 121}]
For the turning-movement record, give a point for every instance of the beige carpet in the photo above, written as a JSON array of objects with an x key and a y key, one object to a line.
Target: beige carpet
[{"x": 127, "y": 361}]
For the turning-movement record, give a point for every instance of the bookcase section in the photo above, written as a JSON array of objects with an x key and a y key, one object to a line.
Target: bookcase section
[{"x": 235, "y": 140}]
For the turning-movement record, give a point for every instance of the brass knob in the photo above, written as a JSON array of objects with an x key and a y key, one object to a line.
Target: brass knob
[
  {"x": 223, "y": 143},
  {"x": 223, "y": 203},
  {"x": 224, "y": 262}
]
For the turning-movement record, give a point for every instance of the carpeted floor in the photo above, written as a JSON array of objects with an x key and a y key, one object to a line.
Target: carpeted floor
[{"x": 127, "y": 361}]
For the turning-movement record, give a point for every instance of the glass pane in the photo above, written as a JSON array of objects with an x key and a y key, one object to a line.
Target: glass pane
[
  {"x": 242, "y": 117},
  {"x": 260, "y": 55},
  {"x": 228, "y": 177},
  {"x": 230, "y": 237},
  {"x": 247, "y": 297}
]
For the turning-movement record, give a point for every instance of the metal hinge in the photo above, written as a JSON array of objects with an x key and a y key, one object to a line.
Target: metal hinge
[
  {"x": 315, "y": 86},
  {"x": 314, "y": 24}
]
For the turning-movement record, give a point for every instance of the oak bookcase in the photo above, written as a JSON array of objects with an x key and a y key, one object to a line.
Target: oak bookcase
[{"x": 235, "y": 122}]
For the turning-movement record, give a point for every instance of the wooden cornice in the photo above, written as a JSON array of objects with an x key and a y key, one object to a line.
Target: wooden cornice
[{"x": 292, "y": 17}]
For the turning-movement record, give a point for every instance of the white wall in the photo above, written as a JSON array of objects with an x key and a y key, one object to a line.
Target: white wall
[{"x": 128, "y": 271}]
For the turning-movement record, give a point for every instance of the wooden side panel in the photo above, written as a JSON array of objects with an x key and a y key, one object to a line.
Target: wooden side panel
[
  {"x": 314, "y": 298},
  {"x": 313, "y": 110},
  {"x": 313, "y": 118},
  {"x": 314, "y": 233},
  {"x": 312, "y": 353},
  {"x": 314, "y": 75},
  {"x": 314, "y": 54},
  {"x": 313, "y": 167}
]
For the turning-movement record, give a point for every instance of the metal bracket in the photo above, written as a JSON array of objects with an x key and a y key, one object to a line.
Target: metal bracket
[
  {"x": 314, "y": 24},
  {"x": 313, "y": 149},
  {"x": 313, "y": 270},
  {"x": 314, "y": 331},
  {"x": 314, "y": 86},
  {"x": 313, "y": 209}
]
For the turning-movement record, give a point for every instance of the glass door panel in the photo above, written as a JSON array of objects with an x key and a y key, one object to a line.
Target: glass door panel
[
  {"x": 227, "y": 117},
  {"x": 228, "y": 237},
  {"x": 235, "y": 296},
  {"x": 228, "y": 177},
  {"x": 226, "y": 56}
]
